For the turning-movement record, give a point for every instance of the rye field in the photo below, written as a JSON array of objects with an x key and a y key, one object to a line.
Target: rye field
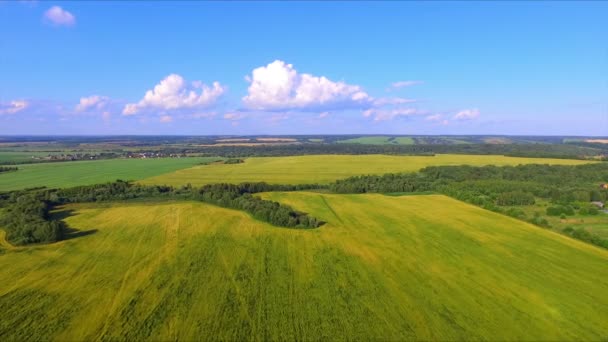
[
  {"x": 73, "y": 173},
  {"x": 327, "y": 168},
  {"x": 382, "y": 268}
]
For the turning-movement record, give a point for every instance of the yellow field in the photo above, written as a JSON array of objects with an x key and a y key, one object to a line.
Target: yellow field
[
  {"x": 327, "y": 168},
  {"x": 382, "y": 268}
]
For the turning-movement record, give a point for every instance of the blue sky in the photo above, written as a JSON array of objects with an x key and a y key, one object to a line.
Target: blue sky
[{"x": 304, "y": 68}]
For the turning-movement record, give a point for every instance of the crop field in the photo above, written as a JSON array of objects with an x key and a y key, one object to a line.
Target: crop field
[
  {"x": 19, "y": 157},
  {"x": 383, "y": 268},
  {"x": 379, "y": 140},
  {"x": 66, "y": 174},
  {"x": 328, "y": 168}
]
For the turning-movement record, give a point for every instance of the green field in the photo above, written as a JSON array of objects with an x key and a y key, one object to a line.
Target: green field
[
  {"x": 382, "y": 268},
  {"x": 66, "y": 174},
  {"x": 327, "y": 168},
  {"x": 20, "y": 157},
  {"x": 379, "y": 140}
]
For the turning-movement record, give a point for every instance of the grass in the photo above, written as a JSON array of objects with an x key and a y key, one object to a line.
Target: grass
[
  {"x": 327, "y": 168},
  {"x": 379, "y": 140},
  {"x": 67, "y": 174},
  {"x": 382, "y": 268},
  {"x": 20, "y": 157}
]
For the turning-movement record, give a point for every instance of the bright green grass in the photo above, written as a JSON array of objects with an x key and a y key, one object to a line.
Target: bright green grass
[
  {"x": 379, "y": 140},
  {"x": 66, "y": 174},
  {"x": 20, "y": 157},
  {"x": 382, "y": 268},
  {"x": 327, "y": 168}
]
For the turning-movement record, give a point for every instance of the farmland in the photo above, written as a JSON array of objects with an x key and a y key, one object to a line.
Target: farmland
[
  {"x": 390, "y": 268},
  {"x": 379, "y": 140},
  {"x": 20, "y": 157},
  {"x": 67, "y": 174},
  {"x": 327, "y": 168}
]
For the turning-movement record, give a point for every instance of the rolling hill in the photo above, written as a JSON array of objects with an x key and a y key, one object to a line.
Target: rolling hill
[{"x": 382, "y": 268}]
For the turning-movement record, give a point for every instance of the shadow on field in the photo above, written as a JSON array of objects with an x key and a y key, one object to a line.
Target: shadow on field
[
  {"x": 68, "y": 232},
  {"x": 71, "y": 233}
]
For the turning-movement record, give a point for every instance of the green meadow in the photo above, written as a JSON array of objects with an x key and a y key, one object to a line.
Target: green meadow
[
  {"x": 68, "y": 174},
  {"x": 382, "y": 268},
  {"x": 328, "y": 168},
  {"x": 20, "y": 157}
]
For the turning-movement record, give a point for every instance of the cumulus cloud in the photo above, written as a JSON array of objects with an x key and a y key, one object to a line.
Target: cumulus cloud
[
  {"x": 467, "y": 114},
  {"x": 173, "y": 93},
  {"x": 390, "y": 114},
  {"x": 278, "y": 86},
  {"x": 60, "y": 17},
  {"x": 13, "y": 107},
  {"x": 92, "y": 102},
  {"x": 403, "y": 84}
]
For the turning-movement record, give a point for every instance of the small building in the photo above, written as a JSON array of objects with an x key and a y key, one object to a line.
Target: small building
[{"x": 598, "y": 204}]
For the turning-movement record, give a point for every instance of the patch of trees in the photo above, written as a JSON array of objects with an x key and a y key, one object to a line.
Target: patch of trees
[
  {"x": 516, "y": 150},
  {"x": 239, "y": 197},
  {"x": 233, "y": 161},
  {"x": 568, "y": 188},
  {"x": 560, "y": 210},
  {"x": 7, "y": 169},
  {"x": 584, "y": 235},
  {"x": 27, "y": 221},
  {"x": 514, "y": 198}
]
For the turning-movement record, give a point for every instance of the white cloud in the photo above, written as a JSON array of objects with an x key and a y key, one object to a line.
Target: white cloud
[
  {"x": 390, "y": 114},
  {"x": 383, "y": 101},
  {"x": 13, "y": 107},
  {"x": 166, "y": 119},
  {"x": 234, "y": 116},
  {"x": 106, "y": 116},
  {"x": 278, "y": 86},
  {"x": 92, "y": 102},
  {"x": 434, "y": 117},
  {"x": 323, "y": 115},
  {"x": 467, "y": 114},
  {"x": 60, "y": 17},
  {"x": 403, "y": 84},
  {"x": 174, "y": 93}
]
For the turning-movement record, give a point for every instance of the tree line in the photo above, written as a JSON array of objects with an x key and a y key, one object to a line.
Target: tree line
[
  {"x": 27, "y": 221},
  {"x": 500, "y": 189},
  {"x": 27, "y": 218},
  {"x": 515, "y": 150},
  {"x": 7, "y": 169}
]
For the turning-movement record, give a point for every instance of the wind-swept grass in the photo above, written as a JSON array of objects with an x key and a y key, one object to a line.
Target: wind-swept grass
[{"x": 382, "y": 268}]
